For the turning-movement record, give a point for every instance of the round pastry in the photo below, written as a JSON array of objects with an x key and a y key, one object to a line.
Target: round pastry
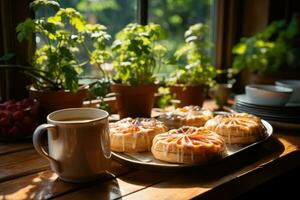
[
  {"x": 186, "y": 116},
  {"x": 134, "y": 135},
  {"x": 240, "y": 128},
  {"x": 188, "y": 145}
]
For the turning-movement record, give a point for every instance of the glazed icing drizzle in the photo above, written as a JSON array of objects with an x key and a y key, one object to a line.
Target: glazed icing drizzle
[
  {"x": 138, "y": 127},
  {"x": 190, "y": 138},
  {"x": 129, "y": 125},
  {"x": 190, "y": 112},
  {"x": 243, "y": 120}
]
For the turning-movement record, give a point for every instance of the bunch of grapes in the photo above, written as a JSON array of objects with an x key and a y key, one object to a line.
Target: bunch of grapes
[{"x": 18, "y": 119}]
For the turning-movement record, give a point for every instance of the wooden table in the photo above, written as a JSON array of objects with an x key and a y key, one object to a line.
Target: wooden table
[{"x": 26, "y": 175}]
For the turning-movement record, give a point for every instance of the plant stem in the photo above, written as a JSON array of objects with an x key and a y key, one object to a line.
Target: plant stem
[
  {"x": 44, "y": 77},
  {"x": 31, "y": 71},
  {"x": 97, "y": 64}
]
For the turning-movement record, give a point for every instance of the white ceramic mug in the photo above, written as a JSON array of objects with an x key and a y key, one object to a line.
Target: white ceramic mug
[{"x": 78, "y": 142}]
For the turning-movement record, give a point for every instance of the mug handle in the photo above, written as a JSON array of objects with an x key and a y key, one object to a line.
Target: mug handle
[
  {"x": 37, "y": 136},
  {"x": 105, "y": 142}
]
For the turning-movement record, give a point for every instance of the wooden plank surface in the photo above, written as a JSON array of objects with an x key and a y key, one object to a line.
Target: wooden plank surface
[
  {"x": 25, "y": 175},
  {"x": 189, "y": 183},
  {"x": 195, "y": 184},
  {"x": 46, "y": 184},
  {"x": 6, "y": 148},
  {"x": 119, "y": 187},
  {"x": 22, "y": 163}
]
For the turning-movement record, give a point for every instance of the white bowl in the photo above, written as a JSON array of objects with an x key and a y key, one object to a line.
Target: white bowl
[
  {"x": 295, "y": 85},
  {"x": 269, "y": 95}
]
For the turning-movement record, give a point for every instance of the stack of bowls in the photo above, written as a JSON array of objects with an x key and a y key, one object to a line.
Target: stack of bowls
[
  {"x": 292, "y": 84},
  {"x": 275, "y": 103},
  {"x": 270, "y": 95}
]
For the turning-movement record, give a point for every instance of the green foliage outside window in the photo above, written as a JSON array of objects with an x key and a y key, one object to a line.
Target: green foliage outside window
[
  {"x": 196, "y": 53},
  {"x": 268, "y": 51},
  {"x": 137, "y": 55},
  {"x": 56, "y": 63}
]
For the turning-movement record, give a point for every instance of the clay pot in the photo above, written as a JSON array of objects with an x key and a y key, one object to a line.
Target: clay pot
[
  {"x": 248, "y": 77},
  {"x": 134, "y": 101},
  {"x": 260, "y": 79},
  {"x": 220, "y": 93},
  {"x": 55, "y": 100},
  {"x": 189, "y": 94}
]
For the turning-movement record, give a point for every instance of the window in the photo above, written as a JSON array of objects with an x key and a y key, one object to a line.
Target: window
[{"x": 175, "y": 16}]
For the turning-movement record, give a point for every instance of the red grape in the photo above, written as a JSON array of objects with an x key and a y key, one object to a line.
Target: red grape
[
  {"x": 27, "y": 122},
  {"x": 4, "y": 121},
  {"x": 34, "y": 111},
  {"x": 18, "y": 115},
  {"x": 9, "y": 102},
  {"x": 11, "y": 107},
  {"x": 18, "y": 118},
  {"x": 14, "y": 131},
  {"x": 3, "y": 114}
]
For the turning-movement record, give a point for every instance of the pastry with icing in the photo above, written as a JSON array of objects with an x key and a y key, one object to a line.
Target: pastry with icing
[
  {"x": 134, "y": 135},
  {"x": 186, "y": 116},
  {"x": 240, "y": 128},
  {"x": 188, "y": 145}
]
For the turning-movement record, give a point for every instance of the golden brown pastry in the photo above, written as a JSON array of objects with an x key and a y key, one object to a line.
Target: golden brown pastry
[
  {"x": 188, "y": 145},
  {"x": 134, "y": 135},
  {"x": 186, "y": 116},
  {"x": 241, "y": 128}
]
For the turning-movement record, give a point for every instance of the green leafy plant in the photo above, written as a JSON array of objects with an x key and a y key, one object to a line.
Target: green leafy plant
[
  {"x": 165, "y": 97},
  {"x": 6, "y": 57},
  {"x": 267, "y": 51},
  {"x": 56, "y": 65},
  {"x": 199, "y": 69},
  {"x": 137, "y": 54},
  {"x": 99, "y": 90}
]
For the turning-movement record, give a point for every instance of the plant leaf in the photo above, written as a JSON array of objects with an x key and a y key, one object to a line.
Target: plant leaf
[
  {"x": 239, "y": 48},
  {"x": 36, "y": 4},
  {"x": 71, "y": 79},
  {"x": 7, "y": 57},
  {"x": 25, "y": 29}
]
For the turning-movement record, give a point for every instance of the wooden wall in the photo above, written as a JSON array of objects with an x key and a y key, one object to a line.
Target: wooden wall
[{"x": 12, "y": 83}]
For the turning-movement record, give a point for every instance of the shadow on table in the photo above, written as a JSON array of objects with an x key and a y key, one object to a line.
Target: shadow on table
[
  {"x": 290, "y": 136},
  {"x": 47, "y": 185},
  {"x": 208, "y": 176}
]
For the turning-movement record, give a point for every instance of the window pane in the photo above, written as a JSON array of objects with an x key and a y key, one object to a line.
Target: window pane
[
  {"x": 177, "y": 15},
  {"x": 114, "y": 14}
]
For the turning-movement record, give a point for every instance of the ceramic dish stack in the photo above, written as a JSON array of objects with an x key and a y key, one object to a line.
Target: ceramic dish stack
[
  {"x": 276, "y": 103},
  {"x": 280, "y": 115}
]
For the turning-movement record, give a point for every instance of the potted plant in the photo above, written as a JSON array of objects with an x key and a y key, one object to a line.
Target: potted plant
[
  {"x": 190, "y": 82},
  {"x": 56, "y": 64},
  {"x": 221, "y": 89},
  {"x": 134, "y": 59},
  {"x": 269, "y": 54}
]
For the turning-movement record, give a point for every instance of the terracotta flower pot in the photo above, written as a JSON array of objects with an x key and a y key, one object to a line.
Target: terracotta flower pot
[
  {"x": 220, "y": 93},
  {"x": 189, "y": 94},
  {"x": 55, "y": 100},
  {"x": 134, "y": 101},
  {"x": 260, "y": 79},
  {"x": 248, "y": 77}
]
